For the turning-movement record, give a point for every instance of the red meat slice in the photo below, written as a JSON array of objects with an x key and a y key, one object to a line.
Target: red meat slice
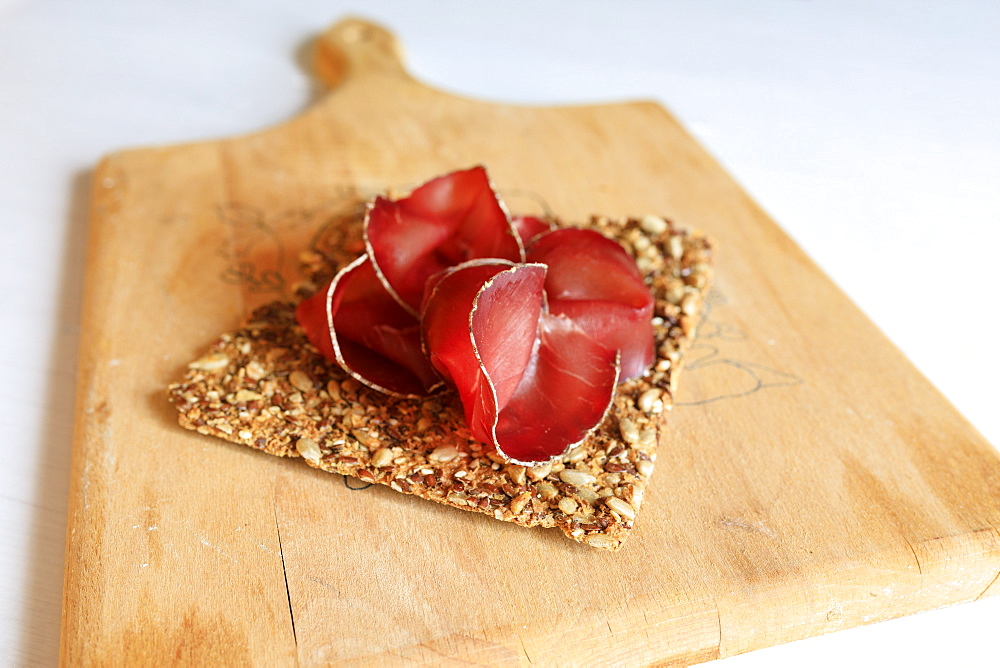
[
  {"x": 531, "y": 383},
  {"x": 563, "y": 396},
  {"x": 355, "y": 322},
  {"x": 529, "y": 227},
  {"x": 447, "y": 221},
  {"x": 594, "y": 282}
]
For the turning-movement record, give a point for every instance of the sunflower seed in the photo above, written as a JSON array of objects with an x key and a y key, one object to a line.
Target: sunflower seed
[
  {"x": 675, "y": 247},
  {"x": 444, "y": 453},
  {"x": 301, "y": 381},
  {"x": 601, "y": 541},
  {"x": 578, "y": 478},
  {"x": 629, "y": 431},
  {"x": 546, "y": 492},
  {"x": 243, "y": 396},
  {"x": 518, "y": 503},
  {"x": 309, "y": 449},
  {"x": 333, "y": 389},
  {"x": 653, "y": 225},
  {"x": 536, "y": 473},
  {"x": 382, "y": 457},
  {"x": 516, "y": 474},
  {"x": 255, "y": 370},
  {"x": 568, "y": 505},
  {"x": 621, "y": 507},
  {"x": 586, "y": 494},
  {"x": 689, "y": 304},
  {"x": 650, "y": 401}
]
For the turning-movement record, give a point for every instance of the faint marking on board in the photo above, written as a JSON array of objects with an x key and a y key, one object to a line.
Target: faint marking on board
[
  {"x": 261, "y": 249},
  {"x": 716, "y": 351},
  {"x": 350, "y": 482}
]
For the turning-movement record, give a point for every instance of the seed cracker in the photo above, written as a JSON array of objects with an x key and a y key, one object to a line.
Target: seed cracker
[{"x": 266, "y": 386}]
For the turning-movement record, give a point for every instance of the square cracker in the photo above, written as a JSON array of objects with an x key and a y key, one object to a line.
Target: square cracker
[{"x": 267, "y": 387}]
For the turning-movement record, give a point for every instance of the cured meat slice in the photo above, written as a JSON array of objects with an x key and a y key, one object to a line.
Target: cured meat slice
[
  {"x": 563, "y": 396},
  {"x": 355, "y": 322},
  {"x": 531, "y": 383},
  {"x": 446, "y": 221},
  {"x": 594, "y": 282},
  {"x": 529, "y": 227},
  {"x": 445, "y": 321}
]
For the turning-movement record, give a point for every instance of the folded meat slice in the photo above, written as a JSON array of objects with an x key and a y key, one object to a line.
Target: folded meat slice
[
  {"x": 445, "y": 321},
  {"x": 595, "y": 283},
  {"x": 532, "y": 383},
  {"x": 444, "y": 222},
  {"x": 529, "y": 227},
  {"x": 355, "y": 322},
  {"x": 562, "y": 397}
]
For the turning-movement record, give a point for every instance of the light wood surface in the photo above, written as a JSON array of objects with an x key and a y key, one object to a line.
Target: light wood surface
[{"x": 811, "y": 480}]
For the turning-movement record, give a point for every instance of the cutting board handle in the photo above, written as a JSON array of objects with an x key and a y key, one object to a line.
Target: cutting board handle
[{"x": 354, "y": 47}]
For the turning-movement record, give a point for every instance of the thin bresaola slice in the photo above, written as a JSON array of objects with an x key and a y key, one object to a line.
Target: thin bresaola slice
[
  {"x": 445, "y": 222},
  {"x": 562, "y": 397},
  {"x": 445, "y": 325},
  {"x": 595, "y": 283},
  {"x": 532, "y": 384},
  {"x": 529, "y": 227},
  {"x": 448, "y": 343},
  {"x": 357, "y": 324}
]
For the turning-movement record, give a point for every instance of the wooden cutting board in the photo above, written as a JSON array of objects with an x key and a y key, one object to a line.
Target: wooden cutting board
[{"x": 810, "y": 479}]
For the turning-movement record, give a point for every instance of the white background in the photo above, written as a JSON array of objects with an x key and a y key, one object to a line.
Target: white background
[{"x": 869, "y": 130}]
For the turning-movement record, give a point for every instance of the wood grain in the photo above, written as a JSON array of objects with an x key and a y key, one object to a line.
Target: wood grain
[{"x": 811, "y": 480}]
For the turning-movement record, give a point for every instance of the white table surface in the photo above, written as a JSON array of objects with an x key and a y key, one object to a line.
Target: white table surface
[{"x": 869, "y": 130}]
